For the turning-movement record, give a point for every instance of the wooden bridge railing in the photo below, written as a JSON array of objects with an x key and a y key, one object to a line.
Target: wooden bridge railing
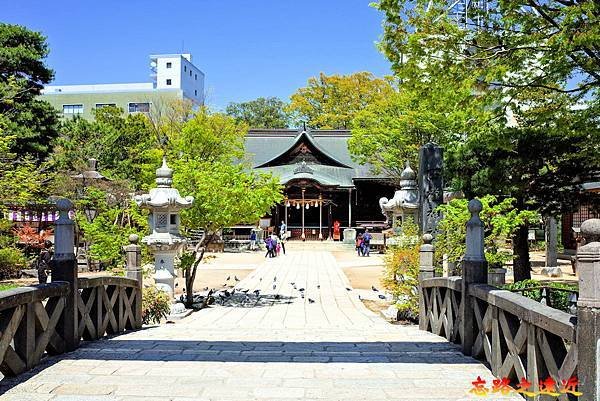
[
  {"x": 50, "y": 319},
  {"x": 518, "y": 337}
]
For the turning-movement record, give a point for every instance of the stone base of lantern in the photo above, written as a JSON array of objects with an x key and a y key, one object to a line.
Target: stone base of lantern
[{"x": 164, "y": 267}]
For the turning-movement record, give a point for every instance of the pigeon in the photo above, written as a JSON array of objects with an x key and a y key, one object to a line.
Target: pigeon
[
  {"x": 359, "y": 297},
  {"x": 293, "y": 284},
  {"x": 260, "y": 279},
  {"x": 274, "y": 278},
  {"x": 318, "y": 287},
  {"x": 348, "y": 289},
  {"x": 176, "y": 285},
  {"x": 205, "y": 289},
  {"x": 256, "y": 292},
  {"x": 381, "y": 296},
  {"x": 245, "y": 291},
  {"x": 295, "y": 287},
  {"x": 301, "y": 289},
  {"x": 277, "y": 296},
  {"x": 183, "y": 289},
  {"x": 302, "y": 295},
  {"x": 228, "y": 278},
  {"x": 373, "y": 288},
  {"x": 236, "y": 278},
  {"x": 227, "y": 293},
  {"x": 274, "y": 286},
  {"x": 311, "y": 301}
]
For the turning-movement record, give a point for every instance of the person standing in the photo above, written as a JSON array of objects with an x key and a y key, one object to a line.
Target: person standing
[
  {"x": 273, "y": 245},
  {"x": 359, "y": 245},
  {"x": 43, "y": 262},
  {"x": 269, "y": 246},
  {"x": 282, "y": 229},
  {"x": 253, "y": 240},
  {"x": 282, "y": 239},
  {"x": 367, "y": 243}
]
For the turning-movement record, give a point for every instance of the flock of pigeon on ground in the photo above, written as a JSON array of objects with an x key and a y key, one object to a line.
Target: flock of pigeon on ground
[{"x": 245, "y": 297}]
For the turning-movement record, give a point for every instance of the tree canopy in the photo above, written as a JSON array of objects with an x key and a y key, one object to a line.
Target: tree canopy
[
  {"x": 261, "y": 113},
  {"x": 514, "y": 101},
  {"x": 332, "y": 101},
  {"x": 32, "y": 122}
]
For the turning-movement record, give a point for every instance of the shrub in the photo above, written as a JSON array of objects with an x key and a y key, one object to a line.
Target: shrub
[
  {"x": 11, "y": 261},
  {"x": 558, "y": 299},
  {"x": 402, "y": 271},
  {"x": 156, "y": 305}
]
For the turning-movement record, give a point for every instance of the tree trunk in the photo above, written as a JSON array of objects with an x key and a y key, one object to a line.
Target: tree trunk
[{"x": 521, "y": 263}]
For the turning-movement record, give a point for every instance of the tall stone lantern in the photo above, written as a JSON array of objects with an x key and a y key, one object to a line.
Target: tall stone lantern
[
  {"x": 405, "y": 203},
  {"x": 165, "y": 240}
]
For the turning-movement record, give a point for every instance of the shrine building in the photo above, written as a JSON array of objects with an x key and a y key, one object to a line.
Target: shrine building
[{"x": 323, "y": 186}]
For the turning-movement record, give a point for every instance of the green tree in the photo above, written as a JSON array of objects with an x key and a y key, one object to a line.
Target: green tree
[
  {"x": 261, "y": 113},
  {"x": 33, "y": 122},
  {"x": 530, "y": 124},
  {"x": 331, "y": 102},
  {"x": 123, "y": 145},
  {"x": 205, "y": 157}
]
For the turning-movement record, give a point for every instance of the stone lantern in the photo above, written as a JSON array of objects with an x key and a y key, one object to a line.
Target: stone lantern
[
  {"x": 405, "y": 203},
  {"x": 165, "y": 240}
]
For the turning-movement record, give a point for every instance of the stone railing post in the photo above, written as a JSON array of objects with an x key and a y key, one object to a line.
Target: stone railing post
[
  {"x": 133, "y": 270},
  {"x": 426, "y": 270},
  {"x": 64, "y": 268},
  {"x": 588, "y": 311},
  {"x": 474, "y": 271}
]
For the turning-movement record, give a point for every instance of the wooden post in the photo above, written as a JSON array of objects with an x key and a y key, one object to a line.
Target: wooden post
[
  {"x": 349, "y": 207},
  {"x": 426, "y": 270},
  {"x": 588, "y": 311},
  {"x": 303, "y": 236},
  {"x": 474, "y": 272},
  {"x": 64, "y": 268},
  {"x": 133, "y": 270},
  {"x": 320, "y": 217}
]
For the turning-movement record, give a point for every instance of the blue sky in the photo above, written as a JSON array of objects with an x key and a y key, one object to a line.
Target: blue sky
[{"x": 247, "y": 49}]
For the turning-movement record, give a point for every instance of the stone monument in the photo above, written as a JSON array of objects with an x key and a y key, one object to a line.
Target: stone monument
[
  {"x": 165, "y": 240},
  {"x": 405, "y": 203},
  {"x": 431, "y": 189}
]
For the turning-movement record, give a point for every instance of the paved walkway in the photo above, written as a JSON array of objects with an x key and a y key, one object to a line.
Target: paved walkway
[{"x": 278, "y": 345}]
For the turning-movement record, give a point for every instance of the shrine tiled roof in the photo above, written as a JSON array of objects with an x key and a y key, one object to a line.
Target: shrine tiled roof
[{"x": 330, "y": 163}]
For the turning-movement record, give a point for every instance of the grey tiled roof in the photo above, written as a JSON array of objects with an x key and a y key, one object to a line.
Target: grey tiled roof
[{"x": 263, "y": 146}]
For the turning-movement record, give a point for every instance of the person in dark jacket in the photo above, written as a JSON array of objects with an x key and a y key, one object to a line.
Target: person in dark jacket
[{"x": 43, "y": 262}]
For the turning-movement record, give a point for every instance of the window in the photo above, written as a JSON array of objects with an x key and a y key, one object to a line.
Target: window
[
  {"x": 101, "y": 105},
  {"x": 72, "y": 108},
  {"x": 161, "y": 221},
  {"x": 190, "y": 73},
  {"x": 184, "y": 68},
  {"x": 173, "y": 218},
  {"x": 168, "y": 82},
  {"x": 196, "y": 77},
  {"x": 169, "y": 65},
  {"x": 139, "y": 107},
  {"x": 195, "y": 92}
]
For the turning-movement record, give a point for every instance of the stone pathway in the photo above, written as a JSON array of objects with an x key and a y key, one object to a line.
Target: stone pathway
[{"x": 279, "y": 345}]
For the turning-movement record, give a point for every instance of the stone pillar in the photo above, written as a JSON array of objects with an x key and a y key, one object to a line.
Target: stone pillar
[
  {"x": 133, "y": 270},
  {"x": 426, "y": 270},
  {"x": 431, "y": 189},
  {"x": 64, "y": 268},
  {"x": 474, "y": 272},
  {"x": 588, "y": 311},
  {"x": 320, "y": 217},
  {"x": 551, "y": 242}
]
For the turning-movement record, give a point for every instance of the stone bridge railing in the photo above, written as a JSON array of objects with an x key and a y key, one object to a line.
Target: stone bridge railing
[
  {"x": 50, "y": 319},
  {"x": 517, "y": 337}
]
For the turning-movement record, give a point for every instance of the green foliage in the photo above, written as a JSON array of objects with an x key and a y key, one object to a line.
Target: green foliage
[
  {"x": 123, "y": 145},
  {"x": 401, "y": 276},
  {"x": 331, "y": 102},
  {"x": 500, "y": 219},
  {"x": 108, "y": 233},
  {"x": 515, "y": 105},
  {"x": 156, "y": 305},
  {"x": 558, "y": 299},
  {"x": 11, "y": 261},
  {"x": 7, "y": 286},
  {"x": 261, "y": 113},
  {"x": 31, "y": 121},
  {"x": 207, "y": 167}
]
